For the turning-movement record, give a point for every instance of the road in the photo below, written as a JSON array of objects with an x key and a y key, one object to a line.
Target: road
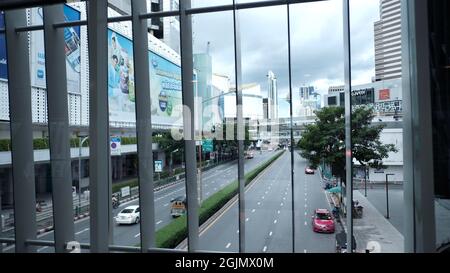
[
  {"x": 129, "y": 235},
  {"x": 268, "y": 214}
]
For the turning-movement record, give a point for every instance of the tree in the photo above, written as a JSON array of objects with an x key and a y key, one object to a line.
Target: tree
[{"x": 324, "y": 141}]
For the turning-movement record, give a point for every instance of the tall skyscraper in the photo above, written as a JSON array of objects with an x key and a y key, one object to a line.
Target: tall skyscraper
[
  {"x": 273, "y": 95},
  {"x": 388, "y": 48}
]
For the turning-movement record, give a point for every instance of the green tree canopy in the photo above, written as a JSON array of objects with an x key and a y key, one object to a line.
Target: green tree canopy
[{"x": 325, "y": 140}]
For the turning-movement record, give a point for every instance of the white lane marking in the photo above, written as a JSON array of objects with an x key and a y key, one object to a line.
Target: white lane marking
[
  {"x": 278, "y": 212},
  {"x": 306, "y": 223},
  {"x": 165, "y": 205},
  {"x": 253, "y": 210},
  {"x": 42, "y": 248},
  {"x": 262, "y": 197},
  {"x": 159, "y": 222},
  {"x": 304, "y": 251},
  {"x": 246, "y": 220},
  {"x": 237, "y": 231},
  {"x": 275, "y": 221},
  {"x": 259, "y": 203},
  {"x": 281, "y": 204},
  {"x": 284, "y": 198},
  {"x": 306, "y": 205},
  {"x": 81, "y": 231},
  {"x": 137, "y": 235},
  {"x": 265, "y": 249},
  {"x": 267, "y": 192},
  {"x": 306, "y": 213},
  {"x": 215, "y": 189},
  {"x": 228, "y": 245},
  {"x": 270, "y": 233}
]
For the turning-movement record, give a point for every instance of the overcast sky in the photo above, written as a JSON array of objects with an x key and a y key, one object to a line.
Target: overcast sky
[{"x": 316, "y": 43}]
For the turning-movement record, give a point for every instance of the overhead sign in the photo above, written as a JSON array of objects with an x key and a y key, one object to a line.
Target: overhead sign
[
  {"x": 158, "y": 166},
  {"x": 115, "y": 145},
  {"x": 207, "y": 145}
]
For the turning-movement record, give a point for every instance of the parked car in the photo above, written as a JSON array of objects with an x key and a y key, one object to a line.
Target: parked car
[
  {"x": 129, "y": 215},
  {"x": 309, "y": 170},
  {"x": 322, "y": 221}
]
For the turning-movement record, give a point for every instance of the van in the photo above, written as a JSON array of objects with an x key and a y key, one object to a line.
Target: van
[{"x": 178, "y": 207}]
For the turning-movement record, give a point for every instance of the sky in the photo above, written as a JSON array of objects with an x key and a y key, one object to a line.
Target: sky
[{"x": 317, "y": 53}]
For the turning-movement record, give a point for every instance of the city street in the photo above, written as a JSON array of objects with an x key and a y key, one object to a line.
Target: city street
[
  {"x": 128, "y": 235},
  {"x": 268, "y": 214}
]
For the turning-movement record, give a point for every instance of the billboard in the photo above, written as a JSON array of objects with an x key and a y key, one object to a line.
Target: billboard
[
  {"x": 165, "y": 84},
  {"x": 72, "y": 49},
  {"x": 385, "y": 94},
  {"x": 3, "y": 62}
]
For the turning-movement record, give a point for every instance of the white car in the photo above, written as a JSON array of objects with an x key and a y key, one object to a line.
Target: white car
[{"x": 129, "y": 215}]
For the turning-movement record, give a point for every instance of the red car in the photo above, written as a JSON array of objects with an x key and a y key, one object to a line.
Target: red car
[
  {"x": 322, "y": 221},
  {"x": 309, "y": 170}
]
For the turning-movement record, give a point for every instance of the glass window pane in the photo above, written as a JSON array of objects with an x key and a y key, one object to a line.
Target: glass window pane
[{"x": 317, "y": 68}]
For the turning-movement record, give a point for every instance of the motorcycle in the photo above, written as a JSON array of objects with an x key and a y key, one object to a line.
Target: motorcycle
[{"x": 115, "y": 202}]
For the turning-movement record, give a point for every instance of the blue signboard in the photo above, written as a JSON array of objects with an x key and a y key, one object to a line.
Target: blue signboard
[{"x": 3, "y": 62}]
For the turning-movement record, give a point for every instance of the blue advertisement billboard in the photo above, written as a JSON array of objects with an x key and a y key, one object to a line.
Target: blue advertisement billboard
[
  {"x": 3, "y": 62},
  {"x": 165, "y": 84},
  {"x": 72, "y": 49}
]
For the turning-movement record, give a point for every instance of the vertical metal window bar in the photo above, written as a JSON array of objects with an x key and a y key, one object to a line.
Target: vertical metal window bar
[
  {"x": 143, "y": 126},
  {"x": 291, "y": 125},
  {"x": 19, "y": 87},
  {"x": 240, "y": 127},
  {"x": 187, "y": 76},
  {"x": 420, "y": 232},
  {"x": 348, "y": 125},
  {"x": 99, "y": 155},
  {"x": 58, "y": 121}
]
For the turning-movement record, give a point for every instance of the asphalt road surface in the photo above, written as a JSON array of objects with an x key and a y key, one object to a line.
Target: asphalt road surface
[{"x": 268, "y": 214}]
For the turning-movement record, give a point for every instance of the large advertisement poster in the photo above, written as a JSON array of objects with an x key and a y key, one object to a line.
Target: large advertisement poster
[
  {"x": 120, "y": 78},
  {"x": 3, "y": 62},
  {"x": 72, "y": 48},
  {"x": 165, "y": 84}
]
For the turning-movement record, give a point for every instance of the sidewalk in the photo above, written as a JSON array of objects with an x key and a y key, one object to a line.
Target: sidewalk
[{"x": 374, "y": 227}]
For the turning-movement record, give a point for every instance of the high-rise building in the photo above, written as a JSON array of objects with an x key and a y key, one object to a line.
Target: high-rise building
[
  {"x": 273, "y": 95},
  {"x": 388, "y": 48},
  {"x": 166, "y": 29},
  {"x": 306, "y": 92}
]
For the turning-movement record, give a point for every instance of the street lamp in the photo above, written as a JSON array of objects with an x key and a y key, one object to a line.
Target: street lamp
[
  {"x": 171, "y": 158},
  {"x": 81, "y": 139},
  {"x": 387, "y": 195}
]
